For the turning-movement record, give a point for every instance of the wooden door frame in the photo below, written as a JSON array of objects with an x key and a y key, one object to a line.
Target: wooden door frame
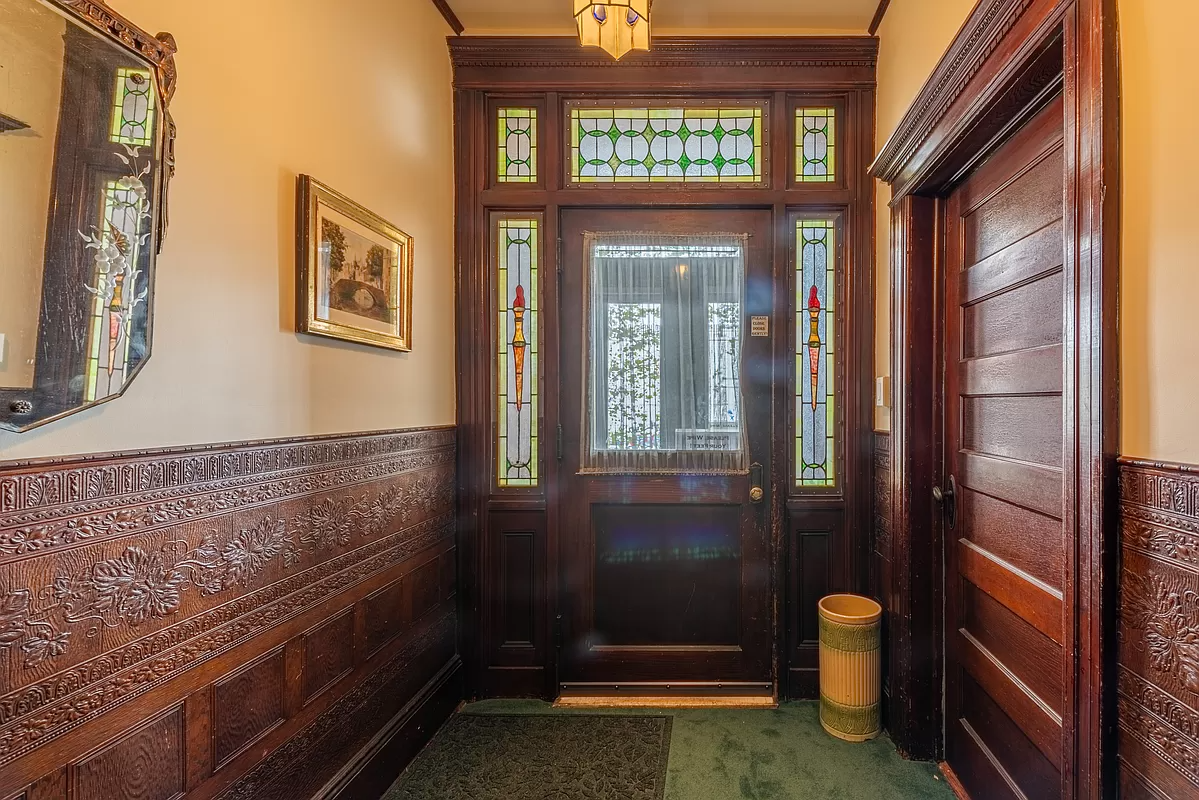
[
  {"x": 1008, "y": 56},
  {"x": 544, "y": 72}
]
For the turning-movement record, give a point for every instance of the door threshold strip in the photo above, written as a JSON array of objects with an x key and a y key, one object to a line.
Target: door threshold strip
[{"x": 665, "y": 701}]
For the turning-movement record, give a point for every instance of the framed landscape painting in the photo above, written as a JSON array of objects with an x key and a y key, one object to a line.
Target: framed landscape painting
[{"x": 354, "y": 271}]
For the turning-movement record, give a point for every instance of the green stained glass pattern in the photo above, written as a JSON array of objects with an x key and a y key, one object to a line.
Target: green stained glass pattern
[
  {"x": 133, "y": 108},
  {"x": 666, "y": 145},
  {"x": 815, "y": 145},
  {"x": 517, "y": 137},
  {"x": 815, "y": 353},
  {"x": 518, "y": 352}
]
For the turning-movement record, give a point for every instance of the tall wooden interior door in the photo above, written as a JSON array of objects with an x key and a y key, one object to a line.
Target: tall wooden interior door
[
  {"x": 665, "y": 451},
  {"x": 1009, "y": 653}
]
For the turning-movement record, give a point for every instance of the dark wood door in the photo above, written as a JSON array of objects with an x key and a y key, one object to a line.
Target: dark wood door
[
  {"x": 665, "y": 578},
  {"x": 1007, "y": 549}
]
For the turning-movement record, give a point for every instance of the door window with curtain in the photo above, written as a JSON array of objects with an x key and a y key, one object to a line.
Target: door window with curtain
[{"x": 664, "y": 354}]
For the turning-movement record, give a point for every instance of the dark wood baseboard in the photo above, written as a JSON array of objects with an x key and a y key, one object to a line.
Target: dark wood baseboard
[
  {"x": 377, "y": 765},
  {"x": 954, "y": 782}
]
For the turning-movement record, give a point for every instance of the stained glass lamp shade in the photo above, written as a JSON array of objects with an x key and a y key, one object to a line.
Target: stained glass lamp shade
[{"x": 617, "y": 26}]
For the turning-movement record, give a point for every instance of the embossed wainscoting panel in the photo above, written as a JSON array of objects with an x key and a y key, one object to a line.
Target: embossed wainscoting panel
[
  {"x": 272, "y": 619},
  {"x": 1159, "y": 630},
  {"x": 880, "y": 556}
]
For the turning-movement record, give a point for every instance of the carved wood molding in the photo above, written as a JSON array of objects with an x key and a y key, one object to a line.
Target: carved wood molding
[
  {"x": 986, "y": 27},
  {"x": 235, "y": 540},
  {"x": 667, "y": 51},
  {"x": 1159, "y": 614},
  {"x": 882, "y": 494},
  {"x": 47, "y": 504}
]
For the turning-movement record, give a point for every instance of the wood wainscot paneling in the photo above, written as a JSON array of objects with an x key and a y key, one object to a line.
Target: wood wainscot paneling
[
  {"x": 880, "y": 556},
  {"x": 273, "y": 619},
  {"x": 1159, "y": 630}
]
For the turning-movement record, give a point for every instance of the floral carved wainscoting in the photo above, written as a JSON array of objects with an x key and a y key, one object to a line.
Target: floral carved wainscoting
[
  {"x": 1159, "y": 630},
  {"x": 177, "y": 607}
]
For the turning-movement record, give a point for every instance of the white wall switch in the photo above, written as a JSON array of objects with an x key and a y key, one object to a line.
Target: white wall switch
[{"x": 882, "y": 392}]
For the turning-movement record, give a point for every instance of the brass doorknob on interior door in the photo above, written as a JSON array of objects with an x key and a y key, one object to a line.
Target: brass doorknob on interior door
[{"x": 756, "y": 494}]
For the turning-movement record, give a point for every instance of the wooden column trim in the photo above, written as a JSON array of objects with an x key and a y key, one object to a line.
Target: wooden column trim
[
  {"x": 879, "y": 13},
  {"x": 450, "y": 16}
]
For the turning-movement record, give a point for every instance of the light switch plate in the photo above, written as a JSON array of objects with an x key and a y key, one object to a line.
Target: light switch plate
[{"x": 882, "y": 392}]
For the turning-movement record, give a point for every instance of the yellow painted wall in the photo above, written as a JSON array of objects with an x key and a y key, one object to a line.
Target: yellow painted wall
[
  {"x": 31, "y": 60},
  {"x": 912, "y": 39},
  {"x": 354, "y": 92},
  {"x": 1159, "y": 297},
  {"x": 1159, "y": 294}
]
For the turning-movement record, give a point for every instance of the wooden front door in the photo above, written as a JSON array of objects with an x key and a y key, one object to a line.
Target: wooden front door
[
  {"x": 1008, "y": 652},
  {"x": 665, "y": 574}
]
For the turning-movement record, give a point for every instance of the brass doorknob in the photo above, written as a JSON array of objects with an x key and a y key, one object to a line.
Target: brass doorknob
[{"x": 756, "y": 494}]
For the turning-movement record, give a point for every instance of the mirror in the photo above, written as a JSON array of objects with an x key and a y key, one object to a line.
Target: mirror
[{"x": 85, "y": 157}]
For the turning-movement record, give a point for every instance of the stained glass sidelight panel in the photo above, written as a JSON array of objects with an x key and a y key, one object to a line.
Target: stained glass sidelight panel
[
  {"x": 815, "y": 145},
  {"x": 133, "y": 108},
  {"x": 666, "y": 145},
  {"x": 518, "y": 347},
  {"x": 815, "y": 353},
  {"x": 517, "y": 137}
]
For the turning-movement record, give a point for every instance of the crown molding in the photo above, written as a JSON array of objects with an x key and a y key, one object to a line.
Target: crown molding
[
  {"x": 986, "y": 27},
  {"x": 668, "y": 51}
]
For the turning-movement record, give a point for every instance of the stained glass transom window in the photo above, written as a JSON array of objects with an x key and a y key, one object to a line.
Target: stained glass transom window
[
  {"x": 666, "y": 145},
  {"x": 518, "y": 340},
  {"x": 815, "y": 353},
  {"x": 815, "y": 145},
  {"x": 133, "y": 108},
  {"x": 517, "y": 139}
]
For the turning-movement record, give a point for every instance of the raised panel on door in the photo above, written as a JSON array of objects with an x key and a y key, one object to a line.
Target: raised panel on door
[{"x": 1008, "y": 654}]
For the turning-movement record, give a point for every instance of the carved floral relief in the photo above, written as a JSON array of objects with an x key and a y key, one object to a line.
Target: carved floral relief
[
  {"x": 148, "y": 584},
  {"x": 1165, "y": 618}
]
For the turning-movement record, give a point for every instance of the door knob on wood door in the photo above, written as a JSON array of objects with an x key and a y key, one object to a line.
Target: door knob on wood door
[
  {"x": 948, "y": 498},
  {"x": 756, "y": 492}
]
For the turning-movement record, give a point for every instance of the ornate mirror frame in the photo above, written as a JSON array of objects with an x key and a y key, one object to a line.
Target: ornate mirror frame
[{"x": 22, "y": 409}]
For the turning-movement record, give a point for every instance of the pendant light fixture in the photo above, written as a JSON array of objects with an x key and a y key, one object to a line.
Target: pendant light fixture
[{"x": 617, "y": 26}]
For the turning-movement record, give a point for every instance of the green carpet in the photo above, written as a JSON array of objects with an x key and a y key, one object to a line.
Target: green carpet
[{"x": 782, "y": 754}]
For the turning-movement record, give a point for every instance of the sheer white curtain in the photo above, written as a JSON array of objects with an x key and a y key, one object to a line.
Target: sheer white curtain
[{"x": 665, "y": 326}]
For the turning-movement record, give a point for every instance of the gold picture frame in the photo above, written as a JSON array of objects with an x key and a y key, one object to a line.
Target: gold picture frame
[{"x": 353, "y": 271}]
